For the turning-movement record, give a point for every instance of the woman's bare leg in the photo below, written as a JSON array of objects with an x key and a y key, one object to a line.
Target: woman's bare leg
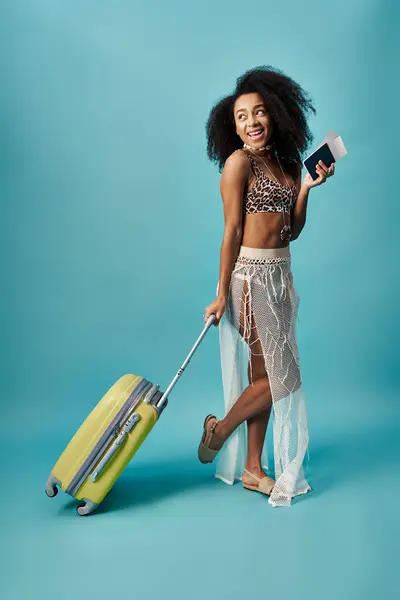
[
  {"x": 254, "y": 404},
  {"x": 256, "y": 430}
]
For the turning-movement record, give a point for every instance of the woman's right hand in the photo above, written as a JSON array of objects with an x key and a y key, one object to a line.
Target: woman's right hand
[{"x": 216, "y": 308}]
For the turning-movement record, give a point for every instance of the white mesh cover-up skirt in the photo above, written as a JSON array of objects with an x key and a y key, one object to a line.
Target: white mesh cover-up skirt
[{"x": 261, "y": 315}]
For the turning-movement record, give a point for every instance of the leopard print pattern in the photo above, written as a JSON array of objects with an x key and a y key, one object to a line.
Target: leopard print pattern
[{"x": 268, "y": 195}]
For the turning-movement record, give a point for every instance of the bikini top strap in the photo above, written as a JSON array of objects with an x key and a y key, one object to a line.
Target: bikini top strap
[{"x": 254, "y": 166}]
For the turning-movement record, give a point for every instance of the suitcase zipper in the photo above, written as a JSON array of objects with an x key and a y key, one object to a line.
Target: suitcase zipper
[
  {"x": 111, "y": 432},
  {"x": 122, "y": 436},
  {"x": 148, "y": 399}
]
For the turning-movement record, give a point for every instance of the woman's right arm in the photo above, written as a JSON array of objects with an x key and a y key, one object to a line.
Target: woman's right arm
[{"x": 233, "y": 180}]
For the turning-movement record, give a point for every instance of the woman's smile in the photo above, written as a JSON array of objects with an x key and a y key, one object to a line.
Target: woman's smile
[{"x": 256, "y": 135}]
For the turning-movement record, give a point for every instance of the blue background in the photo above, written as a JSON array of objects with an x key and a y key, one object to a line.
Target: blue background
[{"x": 110, "y": 235}]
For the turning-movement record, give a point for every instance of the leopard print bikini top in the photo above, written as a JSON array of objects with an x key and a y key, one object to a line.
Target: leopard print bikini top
[{"x": 268, "y": 195}]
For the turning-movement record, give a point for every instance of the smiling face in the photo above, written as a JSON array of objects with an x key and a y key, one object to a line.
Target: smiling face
[{"x": 253, "y": 124}]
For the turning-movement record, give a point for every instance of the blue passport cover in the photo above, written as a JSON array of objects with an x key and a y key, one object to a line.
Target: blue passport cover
[{"x": 323, "y": 153}]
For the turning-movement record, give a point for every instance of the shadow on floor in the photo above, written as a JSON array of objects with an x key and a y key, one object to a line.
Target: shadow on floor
[
  {"x": 147, "y": 483},
  {"x": 349, "y": 456}
]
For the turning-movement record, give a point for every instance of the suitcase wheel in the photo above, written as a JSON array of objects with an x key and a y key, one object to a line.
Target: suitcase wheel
[
  {"x": 51, "y": 486},
  {"x": 86, "y": 507},
  {"x": 51, "y": 493}
]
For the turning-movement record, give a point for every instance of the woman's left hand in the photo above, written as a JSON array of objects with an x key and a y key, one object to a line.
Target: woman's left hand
[{"x": 323, "y": 173}]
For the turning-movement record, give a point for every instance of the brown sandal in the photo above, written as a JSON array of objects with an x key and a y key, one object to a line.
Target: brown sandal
[
  {"x": 264, "y": 485},
  {"x": 205, "y": 453}
]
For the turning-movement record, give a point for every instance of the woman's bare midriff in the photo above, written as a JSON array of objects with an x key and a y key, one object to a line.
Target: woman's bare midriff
[{"x": 262, "y": 230}]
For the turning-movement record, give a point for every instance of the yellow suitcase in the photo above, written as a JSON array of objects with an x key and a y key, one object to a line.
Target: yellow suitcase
[{"x": 110, "y": 436}]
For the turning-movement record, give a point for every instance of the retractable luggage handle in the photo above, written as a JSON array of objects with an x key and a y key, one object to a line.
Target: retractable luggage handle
[
  {"x": 134, "y": 418},
  {"x": 164, "y": 397}
]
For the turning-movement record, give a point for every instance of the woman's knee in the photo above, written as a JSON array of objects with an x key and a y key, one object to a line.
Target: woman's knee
[
  {"x": 262, "y": 390},
  {"x": 263, "y": 384}
]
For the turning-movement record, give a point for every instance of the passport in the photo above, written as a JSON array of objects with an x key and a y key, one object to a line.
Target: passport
[
  {"x": 322, "y": 153},
  {"x": 329, "y": 151}
]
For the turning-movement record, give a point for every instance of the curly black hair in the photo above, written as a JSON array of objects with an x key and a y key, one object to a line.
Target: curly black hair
[{"x": 288, "y": 106}]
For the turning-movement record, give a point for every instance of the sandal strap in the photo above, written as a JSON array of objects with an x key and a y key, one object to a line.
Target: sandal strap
[
  {"x": 252, "y": 475},
  {"x": 265, "y": 484},
  {"x": 210, "y": 434}
]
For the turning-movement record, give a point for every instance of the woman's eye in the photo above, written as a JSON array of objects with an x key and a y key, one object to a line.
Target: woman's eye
[{"x": 260, "y": 110}]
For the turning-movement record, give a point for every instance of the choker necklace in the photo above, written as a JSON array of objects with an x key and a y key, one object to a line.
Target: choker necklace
[
  {"x": 286, "y": 231},
  {"x": 263, "y": 148}
]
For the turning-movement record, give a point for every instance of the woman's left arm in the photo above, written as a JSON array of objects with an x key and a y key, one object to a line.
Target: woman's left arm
[{"x": 299, "y": 211}]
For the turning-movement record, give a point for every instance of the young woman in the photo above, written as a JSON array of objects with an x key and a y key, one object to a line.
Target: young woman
[{"x": 258, "y": 136}]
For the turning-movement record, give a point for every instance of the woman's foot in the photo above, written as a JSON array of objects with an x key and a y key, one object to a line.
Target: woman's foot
[
  {"x": 212, "y": 440},
  {"x": 257, "y": 481}
]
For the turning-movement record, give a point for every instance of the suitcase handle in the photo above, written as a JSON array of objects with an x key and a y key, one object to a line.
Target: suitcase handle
[
  {"x": 211, "y": 319},
  {"x": 133, "y": 419}
]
